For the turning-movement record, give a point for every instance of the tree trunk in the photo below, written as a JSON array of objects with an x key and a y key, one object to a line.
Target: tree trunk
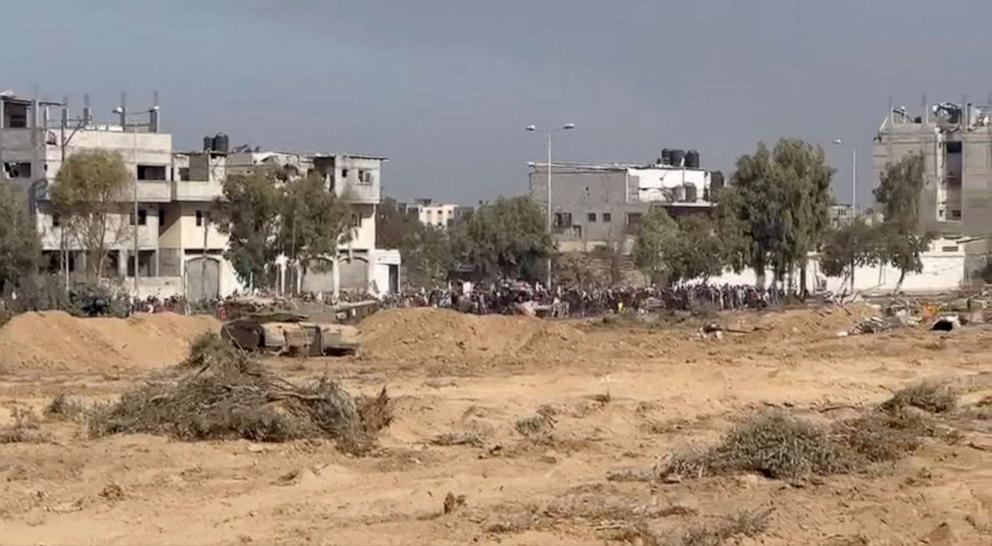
[
  {"x": 802, "y": 281},
  {"x": 902, "y": 277}
]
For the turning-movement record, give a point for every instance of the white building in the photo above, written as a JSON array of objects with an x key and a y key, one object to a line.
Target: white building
[{"x": 439, "y": 215}]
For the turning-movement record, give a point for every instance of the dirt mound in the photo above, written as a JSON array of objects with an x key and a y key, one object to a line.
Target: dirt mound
[
  {"x": 437, "y": 333},
  {"x": 825, "y": 321},
  {"x": 56, "y": 340}
]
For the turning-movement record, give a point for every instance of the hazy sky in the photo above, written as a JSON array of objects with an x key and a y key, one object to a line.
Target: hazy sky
[{"x": 444, "y": 88}]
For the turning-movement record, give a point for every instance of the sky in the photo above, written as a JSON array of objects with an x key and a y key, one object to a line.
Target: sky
[{"x": 444, "y": 88}]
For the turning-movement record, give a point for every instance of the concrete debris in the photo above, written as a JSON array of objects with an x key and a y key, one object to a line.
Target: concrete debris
[{"x": 876, "y": 325}]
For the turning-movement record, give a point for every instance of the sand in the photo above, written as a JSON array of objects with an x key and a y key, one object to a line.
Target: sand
[
  {"x": 54, "y": 340},
  {"x": 624, "y": 398},
  {"x": 426, "y": 333}
]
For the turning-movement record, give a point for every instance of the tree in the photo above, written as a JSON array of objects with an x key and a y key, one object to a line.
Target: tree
[
  {"x": 19, "y": 243},
  {"x": 312, "y": 223},
  {"x": 849, "y": 247},
  {"x": 656, "y": 248},
  {"x": 248, "y": 213},
  {"x": 88, "y": 199},
  {"x": 426, "y": 250},
  {"x": 668, "y": 251},
  {"x": 504, "y": 239},
  {"x": 899, "y": 194},
  {"x": 780, "y": 198}
]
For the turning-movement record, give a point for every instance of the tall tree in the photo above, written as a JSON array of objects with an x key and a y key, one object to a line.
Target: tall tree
[
  {"x": 849, "y": 247},
  {"x": 507, "y": 238},
  {"x": 669, "y": 251},
  {"x": 781, "y": 197},
  {"x": 313, "y": 222},
  {"x": 88, "y": 198},
  {"x": 899, "y": 195},
  {"x": 19, "y": 243},
  {"x": 248, "y": 213}
]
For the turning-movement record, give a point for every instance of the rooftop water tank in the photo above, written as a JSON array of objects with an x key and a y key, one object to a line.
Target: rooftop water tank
[
  {"x": 692, "y": 159},
  {"x": 677, "y": 157},
  {"x": 221, "y": 143}
]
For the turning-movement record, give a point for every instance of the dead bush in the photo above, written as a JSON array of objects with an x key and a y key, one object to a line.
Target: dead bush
[
  {"x": 25, "y": 428},
  {"x": 540, "y": 424},
  {"x": 748, "y": 524},
  {"x": 64, "y": 408},
  {"x": 883, "y": 436},
  {"x": 775, "y": 445},
  {"x": 209, "y": 348},
  {"x": 234, "y": 397},
  {"x": 925, "y": 396}
]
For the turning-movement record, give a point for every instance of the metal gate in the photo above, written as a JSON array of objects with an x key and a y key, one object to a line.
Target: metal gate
[{"x": 202, "y": 279}]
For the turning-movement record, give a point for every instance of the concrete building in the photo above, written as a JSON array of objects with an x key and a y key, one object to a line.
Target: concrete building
[
  {"x": 179, "y": 250},
  {"x": 439, "y": 215},
  {"x": 956, "y": 143},
  {"x": 601, "y": 205}
]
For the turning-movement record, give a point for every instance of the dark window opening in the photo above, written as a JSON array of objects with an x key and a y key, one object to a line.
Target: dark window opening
[
  {"x": 364, "y": 177},
  {"x": 146, "y": 259},
  {"x": 199, "y": 218},
  {"x": 142, "y": 217},
  {"x": 183, "y": 173},
  {"x": 634, "y": 219},
  {"x": 591, "y": 217},
  {"x": 344, "y": 173},
  {"x": 15, "y": 116},
  {"x": 56, "y": 220},
  {"x": 17, "y": 169},
  {"x": 607, "y": 217},
  {"x": 953, "y": 147},
  {"x": 563, "y": 219},
  {"x": 151, "y": 172},
  {"x": 955, "y": 214}
]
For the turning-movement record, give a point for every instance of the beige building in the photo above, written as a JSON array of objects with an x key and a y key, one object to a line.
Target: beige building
[
  {"x": 956, "y": 143},
  {"x": 179, "y": 250}
]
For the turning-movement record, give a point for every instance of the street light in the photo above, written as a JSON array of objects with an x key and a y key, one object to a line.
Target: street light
[
  {"x": 549, "y": 132},
  {"x": 854, "y": 174}
]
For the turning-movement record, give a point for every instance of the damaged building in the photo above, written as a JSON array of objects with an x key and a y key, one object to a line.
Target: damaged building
[
  {"x": 180, "y": 251},
  {"x": 955, "y": 140},
  {"x": 601, "y": 205}
]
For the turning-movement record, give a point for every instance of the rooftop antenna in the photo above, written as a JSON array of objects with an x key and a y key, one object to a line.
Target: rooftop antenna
[
  {"x": 153, "y": 114},
  {"x": 65, "y": 111}
]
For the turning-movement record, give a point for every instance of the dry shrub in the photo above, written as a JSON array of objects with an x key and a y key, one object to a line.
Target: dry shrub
[
  {"x": 209, "y": 348},
  {"x": 539, "y": 425},
  {"x": 233, "y": 397},
  {"x": 748, "y": 524},
  {"x": 64, "y": 408},
  {"x": 24, "y": 430},
  {"x": 925, "y": 396},
  {"x": 773, "y": 444},
  {"x": 883, "y": 436}
]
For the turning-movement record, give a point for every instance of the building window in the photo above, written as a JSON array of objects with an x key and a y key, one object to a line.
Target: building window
[
  {"x": 17, "y": 169},
  {"x": 344, "y": 173},
  {"x": 183, "y": 173},
  {"x": 151, "y": 172},
  {"x": 633, "y": 219},
  {"x": 161, "y": 217},
  {"x": 607, "y": 217},
  {"x": 949, "y": 248},
  {"x": 142, "y": 217},
  {"x": 356, "y": 220},
  {"x": 563, "y": 219},
  {"x": 955, "y": 214},
  {"x": 199, "y": 218},
  {"x": 364, "y": 177},
  {"x": 55, "y": 220},
  {"x": 591, "y": 217}
]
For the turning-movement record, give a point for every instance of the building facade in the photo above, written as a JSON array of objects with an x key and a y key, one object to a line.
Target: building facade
[
  {"x": 180, "y": 251},
  {"x": 601, "y": 205},
  {"x": 956, "y": 143}
]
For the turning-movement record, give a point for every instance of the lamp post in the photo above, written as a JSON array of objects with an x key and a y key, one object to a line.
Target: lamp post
[
  {"x": 549, "y": 132},
  {"x": 854, "y": 175}
]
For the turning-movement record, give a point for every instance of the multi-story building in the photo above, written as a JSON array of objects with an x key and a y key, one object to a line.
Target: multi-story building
[
  {"x": 601, "y": 205},
  {"x": 179, "y": 250},
  {"x": 956, "y": 143}
]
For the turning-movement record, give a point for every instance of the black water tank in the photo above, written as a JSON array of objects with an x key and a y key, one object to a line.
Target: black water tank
[
  {"x": 716, "y": 181},
  {"x": 208, "y": 143},
  {"x": 221, "y": 143},
  {"x": 690, "y": 193},
  {"x": 692, "y": 159},
  {"x": 677, "y": 157},
  {"x": 666, "y": 156}
]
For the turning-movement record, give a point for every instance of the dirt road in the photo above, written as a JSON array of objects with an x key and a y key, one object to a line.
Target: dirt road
[{"x": 623, "y": 396}]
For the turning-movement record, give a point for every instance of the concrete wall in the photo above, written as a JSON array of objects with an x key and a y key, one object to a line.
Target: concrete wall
[
  {"x": 363, "y": 236},
  {"x": 437, "y": 215}
]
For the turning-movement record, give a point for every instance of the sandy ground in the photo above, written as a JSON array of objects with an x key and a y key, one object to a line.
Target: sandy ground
[{"x": 624, "y": 395}]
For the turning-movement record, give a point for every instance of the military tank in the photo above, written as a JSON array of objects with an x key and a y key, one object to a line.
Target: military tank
[{"x": 291, "y": 334}]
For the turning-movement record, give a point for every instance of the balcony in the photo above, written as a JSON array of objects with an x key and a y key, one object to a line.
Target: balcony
[
  {"x": 150, "y": 191},
  {"x": 196, "y": 190}
]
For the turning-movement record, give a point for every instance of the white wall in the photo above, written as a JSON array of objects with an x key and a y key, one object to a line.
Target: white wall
[{"x": 652, "y": 181}]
